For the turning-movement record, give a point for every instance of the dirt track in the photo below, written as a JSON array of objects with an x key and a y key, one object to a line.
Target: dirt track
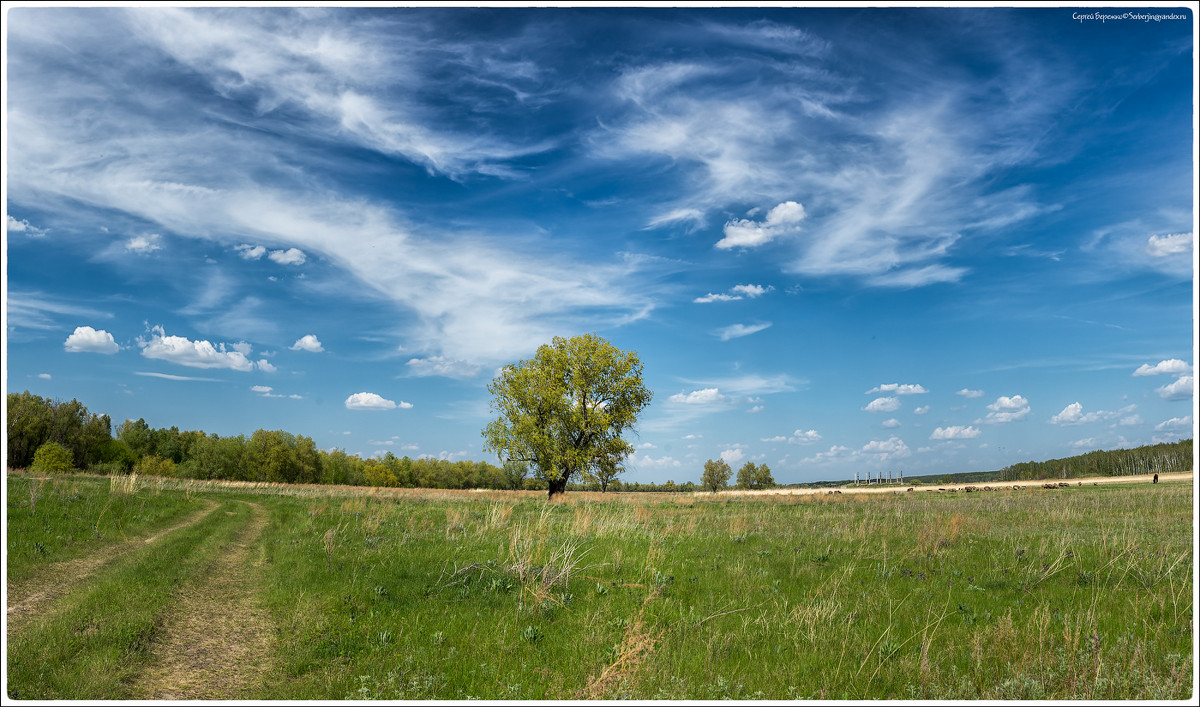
[
  {"x": 29, "y": 598},
  {"x": 217, "y": 641}
]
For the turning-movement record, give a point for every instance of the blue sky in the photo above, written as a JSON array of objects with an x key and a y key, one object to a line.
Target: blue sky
[{"x": 840, "y": 240}]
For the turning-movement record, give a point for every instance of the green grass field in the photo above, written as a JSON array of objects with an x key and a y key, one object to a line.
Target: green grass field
[{"x": 1078, "y": 593}]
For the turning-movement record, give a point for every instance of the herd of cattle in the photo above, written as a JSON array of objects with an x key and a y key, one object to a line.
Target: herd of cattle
[{"x": 975, "y": 489}]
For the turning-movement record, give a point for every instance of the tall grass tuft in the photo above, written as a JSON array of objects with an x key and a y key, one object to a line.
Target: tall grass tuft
[{"x": 123, "y": 484}]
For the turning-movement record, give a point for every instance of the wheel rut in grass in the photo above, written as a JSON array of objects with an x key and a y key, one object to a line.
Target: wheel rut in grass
[
  {"x": 216, "y": 643},
  {"x": 31, "y": 597}
]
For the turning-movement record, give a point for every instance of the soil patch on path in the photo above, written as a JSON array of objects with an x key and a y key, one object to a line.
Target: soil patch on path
[
  {"x": 216, "y": 643},
  {"x": 32, "y": 596}
]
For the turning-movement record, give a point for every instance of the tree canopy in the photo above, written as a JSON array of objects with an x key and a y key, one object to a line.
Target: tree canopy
[
  {"x": 564, "y": 410},
  {"x": 754, "y": 476},
  {"x": 716, "y": 474}
]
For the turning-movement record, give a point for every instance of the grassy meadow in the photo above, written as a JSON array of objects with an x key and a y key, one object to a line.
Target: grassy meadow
[{"x": 1076, "y": 593}]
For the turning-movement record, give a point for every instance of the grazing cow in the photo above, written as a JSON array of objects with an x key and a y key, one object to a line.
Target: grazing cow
[
  {"x": 907, "y": 490},
  {"x": 1016, "y": 487}
]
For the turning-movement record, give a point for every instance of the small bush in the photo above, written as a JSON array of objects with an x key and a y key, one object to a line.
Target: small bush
[
  {"x": 53, "y": 457},
  {"x": 152, "y": 465}
]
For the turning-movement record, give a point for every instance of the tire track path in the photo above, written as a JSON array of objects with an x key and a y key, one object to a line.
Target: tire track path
[
  {"x": 216, "y": 643},
  {"x": 31, "y": 597}
]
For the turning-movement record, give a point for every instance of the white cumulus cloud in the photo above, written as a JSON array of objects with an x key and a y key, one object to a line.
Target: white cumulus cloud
[
  {"x": 955, "y": 432},
  {"x": 1070, "y": 415},
  {"x": 196, "y": 354},
  {"x": 968, "y": 393},
  {"x": 371, "y": 401},
  {"x": 308, "y": 342},
  {"x": 752, "y": 291},
  {"x": 291, "y": 256},
  {"x": 250, "y": 252},
  {"x": 143, "y": 244},
  {"x": 732, "y": 456},
  {"x": 1170, "y": 244},
  {"x": 1171, "y": 366},
  {"x": 649, "y": 462},
  {"x": 87, "y": 339},
  {"x": 1007, "y": 409},
  {"x": 710, "y": 297},
  {"x": 14, "y": 226},
  {"x": 1181, "y": 389},
  {"x": 883, "y": 405},
  {"x": 744, "y": 233},
  {"x": 890, "y": 448},
  {"x": 1175, "y": 424}
]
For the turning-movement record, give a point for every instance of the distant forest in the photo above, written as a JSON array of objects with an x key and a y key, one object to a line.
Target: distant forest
[
  {"x": 40, "y": 429},
  {"x": 68, "y": 436}
]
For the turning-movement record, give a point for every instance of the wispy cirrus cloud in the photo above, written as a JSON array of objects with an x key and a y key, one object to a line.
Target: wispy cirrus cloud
[
  {"x": 707, "y": 396},
  {"x": 475, "y": 297},
  {"x": 173, "y": 377},
  {"x": 735, "y": 293},
  {"x": 736, "y": 331},
  {"x": 899, "y": 389}
]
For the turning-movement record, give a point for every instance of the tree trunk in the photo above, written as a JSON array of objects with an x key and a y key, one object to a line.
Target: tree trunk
[{"x": 558, "y": 486}]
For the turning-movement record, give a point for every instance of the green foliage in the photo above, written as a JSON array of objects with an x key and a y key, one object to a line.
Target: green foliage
[
  {"x": 754, "y": 476},
  {"x": 716, "y": 474},
  {"x": 153, "y": 465},
  {"x": 282, "y": 457},
  {"x": 114, "y": 452},
  {"x": 564, "y": 410},
  {"x": 377, "y": 474},
  {"x": 514, "y": 474},
  {"x": 604, "y": 472},
  {"x": 33, "y": 421},
  {"x": 52, "y": 457},
  {"x": 1149, "y": 459}
]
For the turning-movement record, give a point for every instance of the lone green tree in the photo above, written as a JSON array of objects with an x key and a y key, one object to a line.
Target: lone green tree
[
  {"x": 564, "y": 410},
  {"x": 604, "y": 472},
  {"x": 716, "y": 475}
]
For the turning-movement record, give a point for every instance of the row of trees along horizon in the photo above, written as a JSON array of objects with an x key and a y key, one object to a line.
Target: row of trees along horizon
[{"x": 50, "y": 435}]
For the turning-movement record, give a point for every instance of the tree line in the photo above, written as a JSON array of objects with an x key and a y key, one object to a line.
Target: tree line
[
  {"x": 1148, "y": 459},
  {"x": 50, "y": 435}
]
